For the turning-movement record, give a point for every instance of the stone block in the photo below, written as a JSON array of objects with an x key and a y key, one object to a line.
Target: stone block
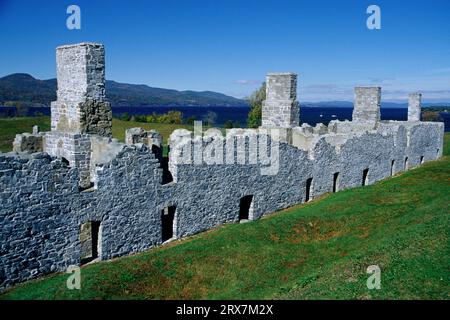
[{"x": 29, "y": 143}]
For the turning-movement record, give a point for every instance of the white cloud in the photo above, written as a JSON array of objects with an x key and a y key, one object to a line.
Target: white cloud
[
  {"x": 247, "y": 82},
  {"x": 433, "y": 88}
]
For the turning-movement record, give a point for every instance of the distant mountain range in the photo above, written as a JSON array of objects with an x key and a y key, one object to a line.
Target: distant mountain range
[{"x": 22, "y": 87}]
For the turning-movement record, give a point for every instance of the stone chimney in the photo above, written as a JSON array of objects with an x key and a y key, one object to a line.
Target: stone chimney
[
  {"x": 280, "y": 109},
  {"x": 414, "y": 106},
  {"x": 80, "y": 110},
  {"x": 366, "y": 109},
  {"x": 81, "y": 105}
]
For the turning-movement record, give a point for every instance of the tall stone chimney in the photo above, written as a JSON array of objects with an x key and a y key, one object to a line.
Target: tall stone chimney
[
  {"x": 81, "y": 105},
  {"x": 414, "y": 106},
  {"x": 366, "y": 109},
  {"x": 80, "y": 110},
  {"x": 280, "y": 109}
]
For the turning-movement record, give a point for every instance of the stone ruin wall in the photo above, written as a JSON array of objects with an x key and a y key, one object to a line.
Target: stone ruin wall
[
  {"x": 42, "y": 211},
  {"x": 45, "y": 205}
]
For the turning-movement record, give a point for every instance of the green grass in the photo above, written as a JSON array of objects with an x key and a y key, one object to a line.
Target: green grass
[
  {"x": 119, "y": 127},
  {"x": 313, "y": 251},
  {"x": 9, "y": 127}
]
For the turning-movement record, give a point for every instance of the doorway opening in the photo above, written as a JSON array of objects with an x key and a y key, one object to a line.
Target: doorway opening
[
  {"x": 65, "y": 161},
  {"x": 308, "y": 189},
  {"x": 89, "y": 240},
  {"x": 365, "y": 178},
  {"x": 167, "y": 223},
  {"x": 336, "y": 182},
  {"x": 245, "y": 207}
]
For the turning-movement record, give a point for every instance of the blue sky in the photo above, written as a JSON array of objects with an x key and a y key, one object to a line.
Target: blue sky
[{"x": 228, "y": 45}]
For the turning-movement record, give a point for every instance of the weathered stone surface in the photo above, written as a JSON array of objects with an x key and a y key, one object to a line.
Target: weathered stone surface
[
  {"x": 96, "y": 118},
  {"x": 280, "y": 109},
  {"x": 152, "y": 139},
  {"x": 138, "y": 135},
  {"x": 36, "y": 217},
  {"x": 30, "y": 143},
  {"x": 414, "y": 106},
  {"x": 86, "y": 241},
  {"x": 367, "y": 105},
  {"x": 74, "y": 148},
  {"x": 81, "y": 105},
  {"x": 81, "y": 72},
  {"x": 81, "y": 109}
]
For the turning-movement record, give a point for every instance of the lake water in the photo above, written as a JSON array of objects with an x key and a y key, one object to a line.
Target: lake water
[{"x": 310, "y": 115}]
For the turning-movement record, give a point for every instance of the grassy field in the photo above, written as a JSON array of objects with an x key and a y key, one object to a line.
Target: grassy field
[
  {"x": 119, "y": 127},
  {"x": 313, "y": 251},
  {"x": 9, "y": 127}
]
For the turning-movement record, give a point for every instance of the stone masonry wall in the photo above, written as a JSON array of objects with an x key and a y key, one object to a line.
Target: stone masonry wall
[
  {"x": 127, "y": 202},
  {"x": 41, "y": 200},
  {"x": 73, "y": 147},
  {"x": 208, "y": 195},
  {"x": 38, "y": 228},
  {"x": 42, "y": 211}
]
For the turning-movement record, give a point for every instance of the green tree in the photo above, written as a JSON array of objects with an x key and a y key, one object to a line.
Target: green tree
[
  {"x": 171, "y": 117},
  {"x": 151, "y": 118},
  {"x": 255, "y": 102},
  {"x": 209, "y": 119},
  {"x": 125, "y": 116},
  {"x": 140, "y": 118},
  {"x": 21, "y": 109},
  {"x": 228, "y": 124},
  {"x": 190, "y": 120}
]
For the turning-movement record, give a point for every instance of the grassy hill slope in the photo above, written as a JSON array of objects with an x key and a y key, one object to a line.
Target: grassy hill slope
[{"x": 316, "y": 250}]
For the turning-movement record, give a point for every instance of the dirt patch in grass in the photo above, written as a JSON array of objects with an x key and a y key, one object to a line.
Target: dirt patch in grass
[{"x": 316, "y": 230}]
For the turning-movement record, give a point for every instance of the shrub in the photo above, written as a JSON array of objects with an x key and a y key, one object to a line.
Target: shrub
[
  {"x": 228, "y": 124},
  {"x": 255, "y": 101}
]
